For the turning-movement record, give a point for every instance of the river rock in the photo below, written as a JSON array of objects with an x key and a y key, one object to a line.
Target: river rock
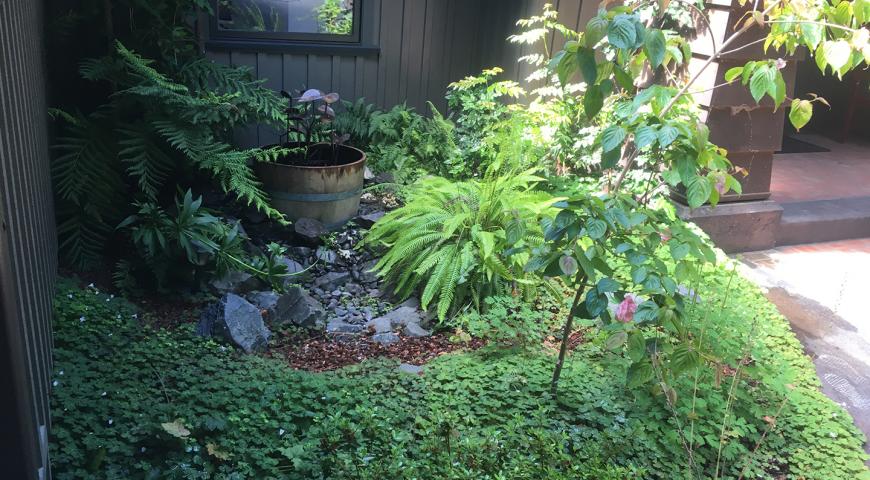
[
  {"x": 385, "y": 339},
  {"x": 308, "y": 231},
  {"x": 332, "y": 280},
  {"x": 414, "y": 330},
  {"x": 236, "y": 320},
  {"x": 235, "y": 282}
]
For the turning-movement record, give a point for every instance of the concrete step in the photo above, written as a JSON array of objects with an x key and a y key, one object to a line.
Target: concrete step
[{"x": 824, "y": 220}]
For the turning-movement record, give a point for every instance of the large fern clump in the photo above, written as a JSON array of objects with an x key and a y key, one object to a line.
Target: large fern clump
[
  {"x": 460, "y": 242},
  {"x": 157, "y": 130}
]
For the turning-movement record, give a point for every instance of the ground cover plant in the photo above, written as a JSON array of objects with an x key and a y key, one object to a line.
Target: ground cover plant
[{"x": 134, "y": 402}]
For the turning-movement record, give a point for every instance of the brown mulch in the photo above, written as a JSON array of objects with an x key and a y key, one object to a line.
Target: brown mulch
[{"x": 324, "y": 352}]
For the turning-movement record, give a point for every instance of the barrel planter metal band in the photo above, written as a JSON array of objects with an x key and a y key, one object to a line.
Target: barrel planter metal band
[
  {"x": 316, "y": 197},
  {"x": 329, "y": 194}
]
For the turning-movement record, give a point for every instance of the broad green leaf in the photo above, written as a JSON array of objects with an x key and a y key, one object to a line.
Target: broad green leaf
[
  {"x": 733, "y": 73},
  {"x": 812, "y": 34},
  {"x": 621, "y": 32},
  {"x": 616, "y": 341},
  {"x": 596, "y": 29},
  {"x": 623, "y": 79},
  {"x": 638, "y": 275},
  {"x": 778, "y": 93},
  {"x": 593, "y": 100},
  {"x": 566, "y": 67},
  {"x": 515, "y": 231},
  {"x": 762, "y": 81},
  {"x": 585, "y": 58},
  {"x": 612, "y": 137},
  {"x": 595, "y": 302},
  {"x": 679, "y": 250},
  {"x": 645, "y": 135},
  {"x": 698, "y": 191},
  {"x": 837, "y": 53},
  {"x": 801, "y": 112},
  {"x": 654, "y": 47},
  {"x": 638, "y": 374},
  {"x": 667, "y": 134},
  {"x": 636, "y": 346},
  {"x": 596, "y": 228},
  {"x": 607, "y": 285},
  {"x": 568, "y": 265}
]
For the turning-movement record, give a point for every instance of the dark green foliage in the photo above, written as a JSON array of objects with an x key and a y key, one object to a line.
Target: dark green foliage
[
  {"x": 509, "y": 321},
  {"x": 155, "y": 130},
  {"x": 450, "y": 239},
  {"x": 132, "y": 402}
]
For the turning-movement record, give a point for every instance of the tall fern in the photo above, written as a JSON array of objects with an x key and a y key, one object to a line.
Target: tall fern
[
  {"x": 156, "y": 126},
  {"x": 457, "y": 242}
]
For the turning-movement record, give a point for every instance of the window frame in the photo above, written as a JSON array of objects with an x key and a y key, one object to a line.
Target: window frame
[{"x": 287, "y": 38}]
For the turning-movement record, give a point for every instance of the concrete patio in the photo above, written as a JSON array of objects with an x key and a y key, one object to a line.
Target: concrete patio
[{"x": 823, "y": 290}]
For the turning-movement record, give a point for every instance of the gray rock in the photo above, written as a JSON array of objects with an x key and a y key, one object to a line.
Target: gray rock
[
  {"x": 292, "y": 265},
  {"x": 414, "y": 330},
  {"x": 235, "y": 282},
  {"x": 402, "y": 316},
  {"x": 236, "y": 320},
  {"x": 326, "y": 256},
  {"x": 385, "y": 339},
  {"x": 366, "y": 275},
  {"x": 412, "y": 369},
  {"x": 332, "y": 280},
  {"x": 301, "y": 252},
  {"x": 308, "y": 231},
  {"x": 367, "y": 221},
  {"x": 303, "y": 309},
  {"x": 337, "y": 326},
  {"x": 412, "y": 302},
  {"x": 380, "y": 325},
  {"x": 368, "y": 174}
]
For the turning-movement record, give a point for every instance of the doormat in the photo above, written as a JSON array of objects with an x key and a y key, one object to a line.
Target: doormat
[{"x": 793, "y": 145}]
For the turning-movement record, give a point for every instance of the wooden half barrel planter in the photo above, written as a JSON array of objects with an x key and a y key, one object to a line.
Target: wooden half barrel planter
[{"x": 327, "y": 193}]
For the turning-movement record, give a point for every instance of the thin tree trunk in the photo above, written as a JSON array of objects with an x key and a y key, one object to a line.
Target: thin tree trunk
[{"x": 566, "y": 333}]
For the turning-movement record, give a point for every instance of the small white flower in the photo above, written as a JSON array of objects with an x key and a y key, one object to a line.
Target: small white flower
[
  {"x": 112, "y": 296},
  {"x": 110, "y": 334},
  {"x": 103, "y": 394},
  {"x": 91, "y": 285},
  {"x": 55, "y": 383},
  {"x": 281, "y": 432},
  {"x": 82, "y": 319},
  {"x": 196, "y": 448},
  {"x": 833, "y": 434},
  {"x": 135, "y": 315},
  {"x": 188, "y": 449},
  {"x": 108, "y": 300},
  {"x": 142, "y": 449},
  {"x": 69, "y": 295},
  {"x": 60, "y": 372},
  {"x": 111, "y": 421}
]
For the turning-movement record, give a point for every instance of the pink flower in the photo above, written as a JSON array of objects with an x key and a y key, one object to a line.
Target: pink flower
[{"x": 625, "y": 310}]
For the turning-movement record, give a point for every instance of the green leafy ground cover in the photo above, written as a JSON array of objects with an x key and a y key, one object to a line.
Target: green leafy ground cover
[{"x": 133, "y": 402}]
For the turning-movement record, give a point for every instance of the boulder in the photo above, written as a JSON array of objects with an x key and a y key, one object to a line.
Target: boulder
[
  {"x": 380, "y": 325},
  {"x": 236, "y": 320},
  {"x": 235, "y": 282},
  {"x": 385, "y": 339},
  {"x": 402, "y": 316},
  {"x": 308, "y": 231},
  {"x": 292, "y": 265},
  {"x": 337, "y": 326},
  {"x": 326, "y": 256},
  {"x": 414, "y": 330},
  {"x": 366, "y": 275},
  {"x": 332, "y": 280},
  {"x": 302, "y": 309}
]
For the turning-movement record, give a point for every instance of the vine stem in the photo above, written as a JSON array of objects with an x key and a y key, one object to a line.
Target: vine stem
[
  {"x": 685, "y": 88},
  {"x": 566, "y": 333}
]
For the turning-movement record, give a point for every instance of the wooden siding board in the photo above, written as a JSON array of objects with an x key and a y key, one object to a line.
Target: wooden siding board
[
  {"x": 414, "y": 26},
  {"x": 246, "y": 136},
  {"x": 270, "y": 67},
  {"x": 295, "y": 73},
  {"x": 28, "y": 256},
  {"x": 392, "y": 33}
]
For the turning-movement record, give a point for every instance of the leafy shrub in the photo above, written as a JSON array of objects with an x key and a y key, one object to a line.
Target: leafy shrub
[
  {"x": 132, "y": 402},
  {"x": 155, "y": 130},
  {"x": 409, "y": 144},
  {"x": 507, "y": 320},
  {"x": 450, "y": 238}
]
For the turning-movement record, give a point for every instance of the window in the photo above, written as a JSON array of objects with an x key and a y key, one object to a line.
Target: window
[{"x": 305, "y": 20}]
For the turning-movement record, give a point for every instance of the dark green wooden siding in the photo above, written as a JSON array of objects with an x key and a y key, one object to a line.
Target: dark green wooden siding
[
  {"x": 27, "y": 244},
  {"x": 423, "y": 46}
]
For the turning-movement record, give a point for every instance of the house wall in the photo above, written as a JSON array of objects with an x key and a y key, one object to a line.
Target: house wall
[
  {"x": 420, "y": 46},
  {"x": 27, "y": 244}
]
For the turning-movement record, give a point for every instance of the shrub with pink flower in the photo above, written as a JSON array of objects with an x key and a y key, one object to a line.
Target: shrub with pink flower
[{"x": 626, "y": 308}]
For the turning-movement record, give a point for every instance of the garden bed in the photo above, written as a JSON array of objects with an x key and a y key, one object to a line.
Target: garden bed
[{"x": 130, "y": 401}]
